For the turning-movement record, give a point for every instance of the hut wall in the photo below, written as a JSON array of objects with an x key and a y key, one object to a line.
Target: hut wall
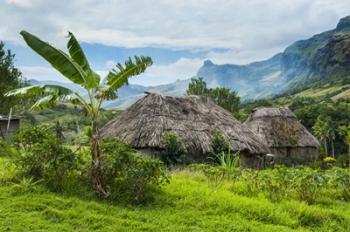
[
  {"x": 14, "y": 126},
  {"x": 251, "y": 161},
  {"x": 295, "y": 155}
]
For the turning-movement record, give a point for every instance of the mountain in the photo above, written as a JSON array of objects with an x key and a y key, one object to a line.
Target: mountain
[
  {"x": 128, "y": 94},
  {"x": 325, "y": 57}
]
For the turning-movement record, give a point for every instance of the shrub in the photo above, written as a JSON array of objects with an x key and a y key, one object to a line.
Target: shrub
[
  {"x": 174, "y": 150},
  {"x": 276, "y": 183},
  {"x": 130, "y": 177},
  {"x": 307, "y": 183},
  {"x": 341, "y": 180},
  {"x": 218, "y": 145},
  {"x": 6, "y": 150},
  {"x": 215, "y": 174},
  {"x": 250, "y": 178},
  {"x": 230, "y": 162},
  {"x": 43, "y": 156}
]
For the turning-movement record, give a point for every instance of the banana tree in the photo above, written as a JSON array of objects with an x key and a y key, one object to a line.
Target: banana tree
[{"x": 75, "y": 67}]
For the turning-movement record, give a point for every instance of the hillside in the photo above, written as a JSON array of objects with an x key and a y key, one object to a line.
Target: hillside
[
  {"x": 323, "y": 58},
  {"x": 186, "y": 204}
]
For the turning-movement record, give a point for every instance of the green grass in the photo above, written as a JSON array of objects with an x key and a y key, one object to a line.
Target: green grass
[{"x": 186, "y": 204}]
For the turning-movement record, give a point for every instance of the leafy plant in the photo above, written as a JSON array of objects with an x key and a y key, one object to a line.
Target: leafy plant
[
  {"x": 43, "y": 156},
  {"x": 25, "y": 185},
  {"x": 174, "y": 150},
  {"x": 130, "y": 177},
  {"x": 307, "y": 183},
  {"x": 341, "y": 181},
  {"x": 229, "y": 162},
  {"x": 75, "y": 67},
  {"x": 218, "y": 145},
  {"x": 276, "y": 183}
]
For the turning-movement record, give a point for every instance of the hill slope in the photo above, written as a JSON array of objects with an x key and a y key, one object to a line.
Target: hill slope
[{"x": 321, "y": 59}]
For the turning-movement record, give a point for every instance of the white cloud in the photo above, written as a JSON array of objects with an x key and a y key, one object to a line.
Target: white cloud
[
  {"x": 42, "y": 73},
  {"x": 249, "y": 30},
  {"x": 164, "y": 74},
  {"x": 20, "y": 3}
]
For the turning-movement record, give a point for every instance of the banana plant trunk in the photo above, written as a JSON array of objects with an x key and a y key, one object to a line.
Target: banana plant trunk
[{"x": 97, "y": 182}]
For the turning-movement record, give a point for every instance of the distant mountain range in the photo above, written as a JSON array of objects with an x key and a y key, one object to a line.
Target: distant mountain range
[{"x": 323, "y": 58}]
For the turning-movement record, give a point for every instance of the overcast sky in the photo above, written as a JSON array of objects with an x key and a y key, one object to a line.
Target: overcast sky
[{"x": 187, "y": 31}]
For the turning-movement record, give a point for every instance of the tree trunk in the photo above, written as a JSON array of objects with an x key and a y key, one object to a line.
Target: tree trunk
[
  {"x": 332, "y": 144},
  {"x": 325, "y": 147},
  {"x": 97, "y": 182}
]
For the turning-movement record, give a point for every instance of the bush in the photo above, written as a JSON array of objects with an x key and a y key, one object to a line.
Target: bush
[
  {"x": 276, "y": 183},
  {"x": 218, "y": 145},
  {"x": 174, "y": 150},
  {"x": 215, "y": 174},
  {"x": 307, "y": 183},
  {"x": 6, "y": 150},
  {"x": 130, "y": 177},
  {"x": 43, "y": 156},
  {"x": 341, "y": 180}
]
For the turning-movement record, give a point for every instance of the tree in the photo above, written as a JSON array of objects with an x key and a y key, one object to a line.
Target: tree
[
  {"x": 10, "y": 78},
  {"x": 76, "y": 68},
  {"x": 197, "y": 87},
  {"x": 224, "y": 97},
  {"x": 345, "y": 132},
  {"x": 322, "y": 130}
]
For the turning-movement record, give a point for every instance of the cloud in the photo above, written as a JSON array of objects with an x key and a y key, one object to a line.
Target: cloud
[
  {"x": 163, "y": 74},
  {"x": 42, "y": 73},
  {"x": 244, "y": 31},
  {"x": 20, "y": 3}
]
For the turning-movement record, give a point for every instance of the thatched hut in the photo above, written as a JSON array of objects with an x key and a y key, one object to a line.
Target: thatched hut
[
  {"x": 8, "y": 126},
  {"x": 287, "y": 138},
  {"x": 193, "y": 118}
]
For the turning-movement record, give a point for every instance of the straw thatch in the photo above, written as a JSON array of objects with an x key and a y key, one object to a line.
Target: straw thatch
[
  {"x": 286, "y": 137},
  {"x": 193, "y": 118}
]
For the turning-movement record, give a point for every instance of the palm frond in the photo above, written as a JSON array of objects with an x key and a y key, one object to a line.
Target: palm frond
[
  {"x": 40, "y": 90},
  {"x": 57, "y": 58},
  {"x": 77, "y": 54},
  {"x": 120, "y": 75}
]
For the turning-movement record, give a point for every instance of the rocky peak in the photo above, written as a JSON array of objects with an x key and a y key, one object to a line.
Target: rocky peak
[
  {"x": 344, "y": 24},
  {"x": 208, "y": 63}
]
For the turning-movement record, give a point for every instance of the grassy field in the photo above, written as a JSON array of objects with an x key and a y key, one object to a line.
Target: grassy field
[{"x": 188, "y": 203}]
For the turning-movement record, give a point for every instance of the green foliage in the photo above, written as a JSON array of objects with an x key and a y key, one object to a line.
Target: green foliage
[
  {"x": 218, "y": 145},
  {"x": 277, "y": 183},
  {"x": 224, "y": 97},
  {"x": 6, "y": 150},
  {"x": 8, "y": 170},
  {"x": 197, "y": 87},
  {"x": 130, "y": 177},
  {"x": 230, "y": 162},
  {"x": 43, "y": 156},
  {"x": 186, "y": 204},
  {"x": 308, "y": 183},
  {"x": 341, "y": 180},
  {"x": 25, "y": 185},
  {"x": 10, "y": 78},
  {"x": 174, "y": 150},
  {"x": 75, "y": 67}
]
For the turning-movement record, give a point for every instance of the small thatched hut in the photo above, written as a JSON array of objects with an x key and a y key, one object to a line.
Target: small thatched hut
[
  {"x": 8, "y": 126},
  {"x": 286, "y": 137},
  {"x": 193, "y": 118}
]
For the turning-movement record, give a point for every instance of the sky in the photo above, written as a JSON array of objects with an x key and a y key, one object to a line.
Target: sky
[{"x": 179, "y": 35}]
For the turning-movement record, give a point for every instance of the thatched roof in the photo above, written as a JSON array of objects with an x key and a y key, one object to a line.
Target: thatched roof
[
  {"x": 279, "y": 127},
  {"x": 193, "y": 118}
]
